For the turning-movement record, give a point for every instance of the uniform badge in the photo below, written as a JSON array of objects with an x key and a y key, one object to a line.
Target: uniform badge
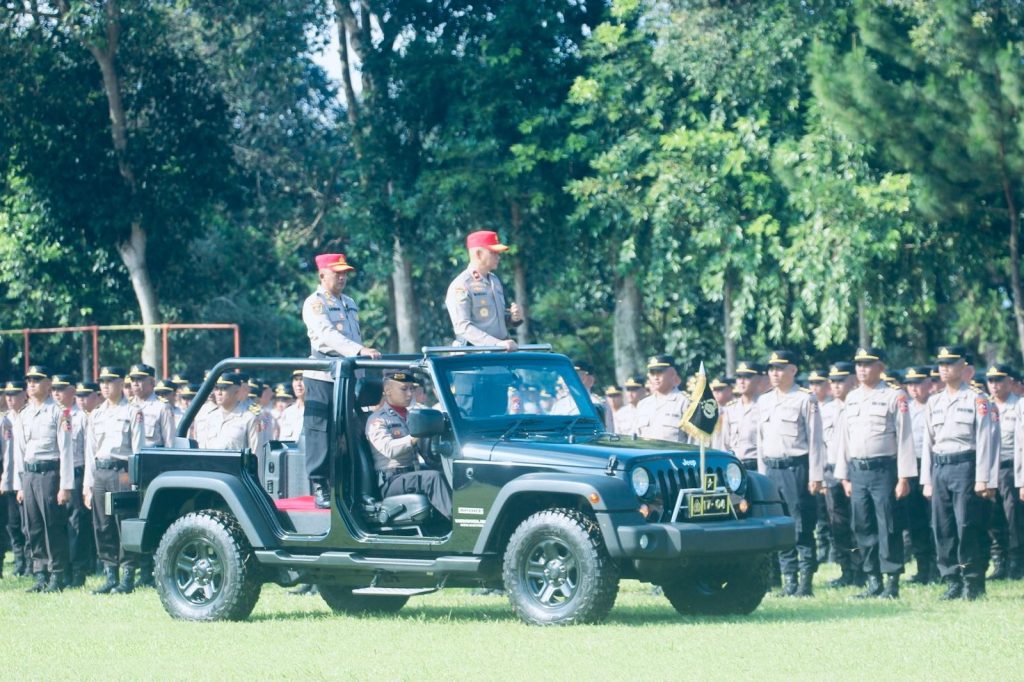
[
  {"x": 460, "y": 293},
  {"x": 317, "y": 307},
  {"x": 902, "y": 402},
  {"x": 396, "y": 432},
  {"x": 485, "y": 313},
  {"x": 477, "y": 288},
  {"x": 139, "y": 417},
  {"x": 340, "y": 326},
  {"x": 982, "y": 406}
]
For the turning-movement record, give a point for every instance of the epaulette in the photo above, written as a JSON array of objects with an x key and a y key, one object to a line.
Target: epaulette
[
  {"x": 977, "y": 390},
  {"x": 256, "y": 409},
  {"x": 732, "y": 402},
  {"x": 804, "y": 390}
]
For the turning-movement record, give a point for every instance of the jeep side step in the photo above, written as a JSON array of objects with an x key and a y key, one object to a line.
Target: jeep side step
[
  {"x": 352, "y": 560},
  {"x": 394, "y": 591}
]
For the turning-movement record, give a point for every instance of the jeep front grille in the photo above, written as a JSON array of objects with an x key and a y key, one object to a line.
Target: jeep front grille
[{"x": 671, "y": 481}]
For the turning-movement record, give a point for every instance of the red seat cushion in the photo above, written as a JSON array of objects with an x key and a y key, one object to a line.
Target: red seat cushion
[{"x": 301, "y": 504}]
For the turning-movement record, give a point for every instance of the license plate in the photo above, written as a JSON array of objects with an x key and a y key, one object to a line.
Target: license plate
[{"x": 702, "y": 506}]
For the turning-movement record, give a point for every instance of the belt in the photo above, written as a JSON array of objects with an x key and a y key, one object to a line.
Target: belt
[
  {"x": 1006, "y": 464},
  {"x": 38, "y": 466},
  {"x": 872, "y": 463},
  {"x": 749, "y": 463},
  {"x": 387, "y": 474},
  {"x": 953, "y": 458},
  {"x": 121, "y": 464},
  {"x": 785, "y": 462}
]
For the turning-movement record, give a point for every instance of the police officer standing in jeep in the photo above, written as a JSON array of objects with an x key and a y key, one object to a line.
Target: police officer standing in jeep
[
  {"x": 956, "y": 464},
  {"x": 332, "y": 324},
  {"x": 476, "y": 297},
  {"x": 791, "y": 452}
]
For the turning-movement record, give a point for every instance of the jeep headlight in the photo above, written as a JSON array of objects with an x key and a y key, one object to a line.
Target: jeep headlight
[
  {"x": 733, "y": 476},
  {"x": 641, "y": 481}
]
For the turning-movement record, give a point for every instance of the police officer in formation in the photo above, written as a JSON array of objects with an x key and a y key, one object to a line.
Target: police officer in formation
[
  {"x": 738, "y": 428},
  {"x": 875, "y": 461},
  {"x": 791, "y": 451},
  {"x": 1007, "y": 518},
  {"x": 658, "y": 416},
  {"x": 918, "y": 383},
  {"x": 15, "y": 399}
]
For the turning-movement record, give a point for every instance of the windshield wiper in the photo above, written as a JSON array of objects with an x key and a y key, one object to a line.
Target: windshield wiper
[
  {"x": 516, "y": 426},
  {"x": 567, "y": 429}
]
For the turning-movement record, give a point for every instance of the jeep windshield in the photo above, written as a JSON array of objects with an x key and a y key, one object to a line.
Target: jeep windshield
[{"x": 516, "y": 392}]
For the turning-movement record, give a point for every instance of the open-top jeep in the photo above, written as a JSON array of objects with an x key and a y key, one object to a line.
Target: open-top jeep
[{"x": 551, "y": 508}]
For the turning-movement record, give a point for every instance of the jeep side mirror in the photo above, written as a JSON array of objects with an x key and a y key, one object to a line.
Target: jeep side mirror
[{"x": 426, "y": 423}]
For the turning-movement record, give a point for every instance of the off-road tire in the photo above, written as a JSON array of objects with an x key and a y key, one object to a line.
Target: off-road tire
[
  {"x": 205, "y": 570},
  {"x": 341, "y": 600},
  {"x": 557, "y": 570},
  {"x": 723, "y": 591}
]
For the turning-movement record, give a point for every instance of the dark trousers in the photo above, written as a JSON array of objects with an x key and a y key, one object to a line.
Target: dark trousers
[
  {"x": 959, "y": 515},
  {"x": 314, "y": 428},
  {"x": 427, "y": 482},
  {"x": 792, "y": 482},
  {"x": 16, "y": 529},
  {"x": 1007, "y": 520},
  {"x": 840, "y": 517},
  {"x": 917, "y": 513},
  {"x": 823, "y": 528},
  {"x": 47, "y": 522},
  {"x": 80, "y": 534},
  {"x": 875, "y": 519},
  {"x": 107, "y": 529}
]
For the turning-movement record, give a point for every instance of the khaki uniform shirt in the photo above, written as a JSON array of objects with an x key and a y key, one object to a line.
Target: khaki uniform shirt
[
  {"x": 875, "y": 423},
  {"x": 737, "y": 430},
  {"x": 1018, "y": 446},
  {"x": 45, "y": 434},
  {"x": 6, "y": 452},
  {"x": 830, "y": 412},
  {"x": 658, "y": 416},
  {"x": 389, "y": 437},
  {"x": 198, "y": 429},
  {"x": 113, "y": 431},
  {"x": 158, "y": 421},
  {"x": 625, "y": 417},
  {"x": 291, "y": 422},
  {"x": 235, "y": 430},
  {"x": 79, "y": 422},
  {"x": 959, "y": 422},
  {"x": 1007, "y": 426},
  {"x": 332, "y": 325},
  {"x": 789, "y": 425},
  {"x": 476, "y": 306},
  {"x": 917, "y": 420}
]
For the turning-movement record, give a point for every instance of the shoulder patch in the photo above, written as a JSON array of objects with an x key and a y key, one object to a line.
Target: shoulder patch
[
  {"x": 256, "y": 409},
  {"x": 317, "y": 306},
  {"x": 982, "y": 406}
]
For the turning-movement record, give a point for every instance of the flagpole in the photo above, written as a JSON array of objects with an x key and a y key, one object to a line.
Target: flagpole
[{"x": 703, "y": 464}]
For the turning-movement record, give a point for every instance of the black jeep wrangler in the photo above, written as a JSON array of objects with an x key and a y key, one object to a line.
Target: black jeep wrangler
[{"x": 550, "y": 507}]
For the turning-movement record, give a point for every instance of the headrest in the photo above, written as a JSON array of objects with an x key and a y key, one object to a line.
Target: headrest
[{"x": 369, "y": 391}]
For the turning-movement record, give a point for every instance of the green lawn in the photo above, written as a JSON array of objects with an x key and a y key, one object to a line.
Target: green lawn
[{"x": 456, "y": 635}]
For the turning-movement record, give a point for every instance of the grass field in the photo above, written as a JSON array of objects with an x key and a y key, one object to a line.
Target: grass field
[{"x": 456, "y": 635}]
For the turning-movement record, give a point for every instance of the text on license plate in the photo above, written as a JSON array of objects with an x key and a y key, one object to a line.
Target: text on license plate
[{"x": 700, "y": 505}]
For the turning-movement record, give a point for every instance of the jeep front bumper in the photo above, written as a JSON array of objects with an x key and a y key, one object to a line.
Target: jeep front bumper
[{"x": 705, "y": 540}]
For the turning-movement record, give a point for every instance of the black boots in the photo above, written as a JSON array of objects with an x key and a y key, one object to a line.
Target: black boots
[
  {"x": 1000, "y": 569},
  {"x": 322, "y": 495},
  {"x": 110, "y": 573},
  {"x": 974, "y": 589},
  {"x": 806, "y": 588},
  {"x": 874, "y": 587},
  {"x": 926, "y": 573},
  {"x": 789, "y": 585},
  {"x": 40, "y": 584},
  {"x": 892, "y": 587},
  {"x": 77, "y": 578},
  {"x": 146, "y": 577},
  {"x": 127, "y": 584},
  {"x": 851, "y": 577},
  {"x": 954, "y": 588},
  {"x": 304, "y": 589},
  {"x": 20, "y": 565},
  {"x": 56, "y": 583}
]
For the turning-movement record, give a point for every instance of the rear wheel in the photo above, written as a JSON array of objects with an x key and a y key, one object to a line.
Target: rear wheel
[
  {"x": 205, "y": 570},
  {"x": 341, "y": 600},
  {"x": 557, "y": 570},
  {"x": 734, "y": 590}
]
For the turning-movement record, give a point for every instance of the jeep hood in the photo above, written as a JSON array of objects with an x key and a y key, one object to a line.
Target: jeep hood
[{"x": 594, "y": 452}]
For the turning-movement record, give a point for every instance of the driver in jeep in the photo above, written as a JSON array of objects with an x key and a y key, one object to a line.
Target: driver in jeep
[{"x": 395, "y": 451}]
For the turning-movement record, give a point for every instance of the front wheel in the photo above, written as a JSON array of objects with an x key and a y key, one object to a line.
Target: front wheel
[
  {"x": 557, "y": 570},
  {"x": 205, "y": 570},
  {"x": 341, "y": 600},
  {"x": 723, "y": 591}
]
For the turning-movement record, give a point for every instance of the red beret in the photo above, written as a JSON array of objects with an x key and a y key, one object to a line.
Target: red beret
[
  {"x": 485, "y": 239},
  {"x": 333, "y": 261}
]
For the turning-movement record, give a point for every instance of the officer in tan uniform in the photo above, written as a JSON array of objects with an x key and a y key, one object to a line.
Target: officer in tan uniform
[
  {"x": 395, "y": 451},
  {"x": 15, "y": 399},
  {"x": 332, "y": 324},
  {"x": 157, "y": 414},
  {"x": 291, "y": 419},
  {"x": 44, "y": 478},
  {"x": 918, "y": 383},
  {"x": 476, "y": 297},
  {"x": 231, "y": 426},
  {"x": 659, "y": 414},
  {"x": 1007, "y": 528},
  {"x": 840, "y": 516},
  {"x": 625, "y": 416},
  {"x": 791, "y": 452},
  {"x": 875, "y": 461},
  {"x": 80, "y": 534},
  {"x": 722, "y": 389},
  {"x": 738, "y": 431},
  {"x": 956, "y": 469},
  {"x": 115, "y": 431},
  {"x": 819, "y": 386}
]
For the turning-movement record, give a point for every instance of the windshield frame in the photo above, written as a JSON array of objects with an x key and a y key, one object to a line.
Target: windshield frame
[{"x": 443, "y": 366}]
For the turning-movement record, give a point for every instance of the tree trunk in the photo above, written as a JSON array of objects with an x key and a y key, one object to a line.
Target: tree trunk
[
  {"x": 133, "y": 254},
  {"x": 519, "y": 283},
  {"x": 730, "y": 342},
  {"x": 626, "y": 340},
  {"x": 406, "y": 315},
  {"x": 863, "y": 336},
  {"x": 86, "y": 365}
]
